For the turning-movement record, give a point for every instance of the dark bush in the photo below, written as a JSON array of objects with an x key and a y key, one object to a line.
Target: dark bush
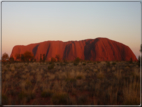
[
  {"x": 58, "y": 57},
  {"x": 11, "y": 59},
  {"x": 53, "y": 60},
  {"x": 75, "y": 63},
  {"x": 46, "y": 94},
  {"x": 51, "y": 66},
  {"x": 84, "y": 63},
  {"x": 60, "y": 99},
  {"x": 108, "y": 64},
  {"x": 113, "y": 63},
  {"x": 131, "y": 60},
  {"x": 77, "y": 60}
]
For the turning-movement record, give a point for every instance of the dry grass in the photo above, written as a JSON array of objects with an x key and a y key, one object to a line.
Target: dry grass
[
  {"x": 100, "y": 75},
  {"x": 85, "y": 83},
  {"x": 118, "y": 74}
]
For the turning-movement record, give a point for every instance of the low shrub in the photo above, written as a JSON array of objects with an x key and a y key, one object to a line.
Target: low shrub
[
  {"x": 51, "y": 66},
  {"x": 75, "y": 63},
  {"x": 30, "y": 97},
  {"x": 77, "y": 60},
  {"x": 131, "y": 60},
  {"x": 81, "y": 99},
  {"x": 113, "y": 63},
  {"x": 63, "y": 64},
  {"x": 46, "y": 93},
  {"x": 22, "y": 95},
  {"x": 79, "y": 77},
  {"x": 108, "y": 64},
  {"x": 60, "y": 98},
  {"x": 53, "y": 60},
  {"x": 64, "y": 60},
  {"x": 50, "y": 62},
  {"x": 84, "y": 64}
]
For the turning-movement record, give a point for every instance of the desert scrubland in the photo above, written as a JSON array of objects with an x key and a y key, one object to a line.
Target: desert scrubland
[{"x": 71, "y": 83}]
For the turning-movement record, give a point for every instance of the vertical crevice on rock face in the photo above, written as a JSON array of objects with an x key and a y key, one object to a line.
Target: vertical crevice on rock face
[
  {"x": 35, "y": 49},
  {"x": 47, "y": 51},
  {"x": 67, "y": 51}
]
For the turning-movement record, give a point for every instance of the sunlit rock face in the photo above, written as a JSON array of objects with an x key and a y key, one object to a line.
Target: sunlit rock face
[{"x": 99, "y": 49}]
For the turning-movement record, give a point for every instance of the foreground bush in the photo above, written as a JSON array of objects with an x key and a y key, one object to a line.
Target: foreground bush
[
  {"x": 60, "y": 98},
  {"x": 51, "y": 66}
]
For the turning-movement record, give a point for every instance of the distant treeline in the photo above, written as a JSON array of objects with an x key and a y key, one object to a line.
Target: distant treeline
[{"x": 29, "y": 57}]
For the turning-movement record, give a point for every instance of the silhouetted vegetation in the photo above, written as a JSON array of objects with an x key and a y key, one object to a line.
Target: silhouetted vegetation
[
  {"x": 28, "y": 56},
  {"x": 41, "y": 58},
  {"x": 64, "y": 60},
  {"x": 58, "y": 57},
  {"x": 76, "y": 61},
  {"x": 51, "y": 66},
  {"x": 44, "y": 57},
  {"x": 22, "y": 57},
  {"x": 131, "y": 61},
  {"x": 5, "y": 57},
  {"x": 113, "y": 63},
  {"x": 84, "y": 63},
  {"x": 53, "y": 60},
  {"x": 11, "y": 59},
  {"x": 17, "y": 56}
]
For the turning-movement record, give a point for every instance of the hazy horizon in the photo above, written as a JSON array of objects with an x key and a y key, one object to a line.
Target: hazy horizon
[{"x": 25, "y": 23}]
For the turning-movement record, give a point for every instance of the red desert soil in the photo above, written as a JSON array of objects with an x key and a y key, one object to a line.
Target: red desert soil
[{"x": 99, "y": 49}]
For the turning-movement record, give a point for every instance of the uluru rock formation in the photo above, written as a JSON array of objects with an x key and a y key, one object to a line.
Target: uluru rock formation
[{"x": 99, "y": 49}]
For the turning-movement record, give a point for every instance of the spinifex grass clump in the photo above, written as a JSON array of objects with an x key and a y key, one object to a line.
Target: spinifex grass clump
[{"x": 93, "y": 83}]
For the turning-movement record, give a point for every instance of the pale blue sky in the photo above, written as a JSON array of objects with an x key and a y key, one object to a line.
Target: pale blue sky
[{"x": 24, "y": 23}]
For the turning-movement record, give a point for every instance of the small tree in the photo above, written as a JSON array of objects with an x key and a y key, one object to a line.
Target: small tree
[
  {"x": 11, "y": 59},
  {"x": 44, "y": 57},
  {"x": 17, "y": 56},
  {"x": 5, "y": 57},
  {"x": 53, "y": 59},
  {"x": 28, "y": 56},
  {"x": 58, "y": 57},
  {"x": 22, "y": 57},
  {"x": 41, "y": 58},
  {"x": 77, "y": 60},
  {"x": 32, "y": 59},
  {"x": 131, "y": 60},
  {"x": 64, "y": 60}
]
